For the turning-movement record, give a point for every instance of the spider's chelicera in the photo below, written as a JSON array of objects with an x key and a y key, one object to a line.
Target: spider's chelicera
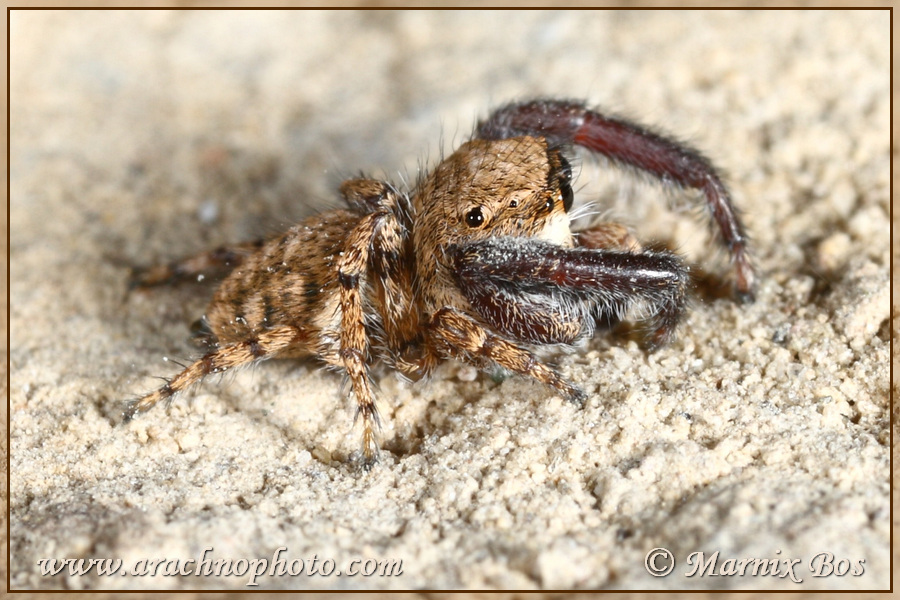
[{"x": 477, "y": 263}]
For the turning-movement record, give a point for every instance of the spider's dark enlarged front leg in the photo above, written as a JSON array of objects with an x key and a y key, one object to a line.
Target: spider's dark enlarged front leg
[
  {"x": 540, "y": 293},
  {"x": 630, "y": 145}
]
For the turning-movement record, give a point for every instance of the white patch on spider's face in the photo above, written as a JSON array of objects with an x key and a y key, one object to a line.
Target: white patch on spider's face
[{"x": 557, "y": 230}]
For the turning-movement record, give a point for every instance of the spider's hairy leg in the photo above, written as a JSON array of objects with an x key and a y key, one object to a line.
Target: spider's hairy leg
[
  {"x": 354, "y": 343},
  {"x": 264, "y": 345},
  {"x": 367, "y": 195},
  {"x": 498, "y": 275},
  {"x": 391, "y": 261},
  {"x": 465, "y": 339},
  {"x": 215, "y": 262},
  {"x": 608, "y": 236},
  {"x": 631, "y": 145}
]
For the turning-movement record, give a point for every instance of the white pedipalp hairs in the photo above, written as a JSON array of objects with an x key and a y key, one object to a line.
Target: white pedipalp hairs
[
  {"x": 592, "y": 214},
  {"x": 583, "y": 211},
  {"x": 598, "y": 208}
]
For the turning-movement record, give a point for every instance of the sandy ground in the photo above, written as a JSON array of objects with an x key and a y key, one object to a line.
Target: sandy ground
[{"x": 761, "y": 432}]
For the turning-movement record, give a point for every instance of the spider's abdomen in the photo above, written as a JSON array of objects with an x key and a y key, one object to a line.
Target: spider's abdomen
[{"x": 291, "y": 281}]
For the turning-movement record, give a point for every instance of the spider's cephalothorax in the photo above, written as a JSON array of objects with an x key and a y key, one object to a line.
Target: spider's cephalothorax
[{"x": 476, "y": 263}]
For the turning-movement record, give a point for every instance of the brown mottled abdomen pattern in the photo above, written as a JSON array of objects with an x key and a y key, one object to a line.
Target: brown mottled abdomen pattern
[{"x": 291, "y": 280}]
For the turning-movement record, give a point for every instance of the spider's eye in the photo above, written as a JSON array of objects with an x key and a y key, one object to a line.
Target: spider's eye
[
  {"x": 565, "y": 183},
  {"x": 474, "y": 217}
]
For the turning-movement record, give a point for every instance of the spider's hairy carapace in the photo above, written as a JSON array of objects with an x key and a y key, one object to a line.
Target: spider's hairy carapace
[{"x": 477, "y": 263}]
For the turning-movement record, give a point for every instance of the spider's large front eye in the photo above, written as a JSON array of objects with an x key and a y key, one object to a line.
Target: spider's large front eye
[
  {"x": 565, "y": 183},
  {"x": 474, "y": 218}
]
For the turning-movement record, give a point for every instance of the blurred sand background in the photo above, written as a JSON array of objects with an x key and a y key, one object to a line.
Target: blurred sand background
[{"x": 762, "y": 431}]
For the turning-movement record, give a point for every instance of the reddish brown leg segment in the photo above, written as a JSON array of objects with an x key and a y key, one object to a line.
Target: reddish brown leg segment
[{"x": 630, "y": 145}]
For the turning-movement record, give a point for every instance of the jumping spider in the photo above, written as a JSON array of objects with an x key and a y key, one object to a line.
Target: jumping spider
[{"x": 476, "y": 263}]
